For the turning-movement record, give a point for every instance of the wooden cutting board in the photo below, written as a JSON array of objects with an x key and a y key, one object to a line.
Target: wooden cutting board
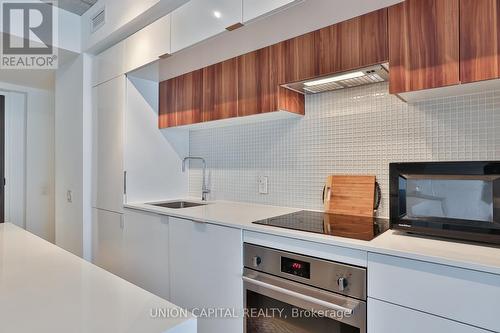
[{"x": 350, "y": 195}]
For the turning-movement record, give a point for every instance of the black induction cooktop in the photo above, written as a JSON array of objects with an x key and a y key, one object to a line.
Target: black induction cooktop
[{"x": 356, "y": 227}]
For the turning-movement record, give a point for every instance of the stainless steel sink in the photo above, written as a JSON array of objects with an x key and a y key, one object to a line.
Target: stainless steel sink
[{"x": 177, "y": 204}]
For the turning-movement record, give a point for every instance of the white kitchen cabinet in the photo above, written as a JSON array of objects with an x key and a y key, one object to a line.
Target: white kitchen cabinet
[
  {"x": 107, "y": 145},
  {"x": 198, "y": 20},
  {"x": 145, "y": 251},
  {"x": 389, "y": 318},
  {"x": 108, "y": 64},
  {"x": 205, "y": 271},
  {"x": 462, "y": 295},
  {"x": 253, "y": 9},
  {"x": 148, "y": 44},
  {"x": 107, "y": 240}
]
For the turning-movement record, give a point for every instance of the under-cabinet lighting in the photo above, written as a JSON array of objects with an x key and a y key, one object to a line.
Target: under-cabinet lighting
[
  {"x": 335, "y": 79},
  {"x": 217, "y": 14}
]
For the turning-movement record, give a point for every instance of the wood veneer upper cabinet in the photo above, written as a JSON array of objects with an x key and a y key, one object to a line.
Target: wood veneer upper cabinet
[
  {"x": 358, "y": 42},
  {"x": 260, "y": 75},
  {"x": 301, "y": 57},
  {"x": 374, "y": 38},
  {"x": 188, "y": 98},
  {"x": 273, "y": 69},
  {"x": 261, "y": 72},
  {"x": 249, "y": 84},
  {"x": 220, "y": 90},
  {"x": 167, "y": 110},
  {"x": 423, "y": 45},
  {"x": 479, "y": 40},
  {"x": 181, "y": 100}
]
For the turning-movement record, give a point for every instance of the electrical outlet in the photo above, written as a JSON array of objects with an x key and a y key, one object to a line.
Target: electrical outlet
[{"x": 263, "y": 185}]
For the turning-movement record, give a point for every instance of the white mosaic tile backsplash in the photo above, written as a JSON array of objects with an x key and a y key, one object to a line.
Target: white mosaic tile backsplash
[{"x": 353, "y": 131}]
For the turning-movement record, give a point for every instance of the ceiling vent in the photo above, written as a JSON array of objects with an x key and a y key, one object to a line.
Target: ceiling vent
[
  {"x": 355, "y": 78},
  {"x": 98, "y": 20}
]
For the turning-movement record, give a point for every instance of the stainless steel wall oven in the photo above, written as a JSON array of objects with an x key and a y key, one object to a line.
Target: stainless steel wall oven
[{"x": 292, "y": 293}]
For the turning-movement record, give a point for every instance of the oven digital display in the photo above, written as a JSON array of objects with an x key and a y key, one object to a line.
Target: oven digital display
[{"x": 296, "y": 267}]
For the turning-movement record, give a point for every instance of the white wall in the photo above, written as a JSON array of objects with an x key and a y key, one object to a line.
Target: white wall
[
  {"x": 152, "y": 157},
  {"x": 40, "y": 165},
  {"x": 72, "y": 154},
  {"x": 39, "y": 159}
]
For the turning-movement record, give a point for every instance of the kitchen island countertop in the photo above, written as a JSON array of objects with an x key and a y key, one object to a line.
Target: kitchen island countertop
[{"x": 44, "y": 288}]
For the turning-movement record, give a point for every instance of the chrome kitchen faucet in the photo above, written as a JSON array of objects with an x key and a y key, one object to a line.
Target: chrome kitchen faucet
[{"x": 204, "y": 187}]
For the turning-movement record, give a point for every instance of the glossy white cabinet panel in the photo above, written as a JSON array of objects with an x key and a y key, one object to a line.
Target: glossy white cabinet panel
[
  {"x": 145, "y": 252},
  {"x": 148, "y": 44},
  {"x": 462, "y": 295},
  {"x": 109, "y": 64},
  {"x": 255, "y": 8},
  {"x": 388, "y": 318},
  {"x": 107, "y": 145},
  {"x": 198, "y": 20},
  {"x": 206, "y": 266},
  {"x": 107, "y": 240}
]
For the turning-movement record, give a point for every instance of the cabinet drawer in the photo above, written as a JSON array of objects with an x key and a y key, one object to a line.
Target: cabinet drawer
[
  {"x": 388, "y": 318},
  {"x": 466, "y": 296}
]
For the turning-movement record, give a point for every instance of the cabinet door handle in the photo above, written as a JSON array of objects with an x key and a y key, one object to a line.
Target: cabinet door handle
[
  {"x": 199, "y": 222},
  {"x": 125, "y": 182}
]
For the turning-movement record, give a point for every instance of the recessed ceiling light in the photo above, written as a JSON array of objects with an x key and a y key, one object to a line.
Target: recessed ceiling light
[
  {"x": 334, "y": 79},
  {"x": 217, "y": 14}
]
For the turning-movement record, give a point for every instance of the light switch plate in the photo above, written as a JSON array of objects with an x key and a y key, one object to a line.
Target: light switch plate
[{"x": 263, "y": 185}]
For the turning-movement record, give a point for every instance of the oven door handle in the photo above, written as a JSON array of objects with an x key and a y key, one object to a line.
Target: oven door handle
[{"x": 300, "y": 296}]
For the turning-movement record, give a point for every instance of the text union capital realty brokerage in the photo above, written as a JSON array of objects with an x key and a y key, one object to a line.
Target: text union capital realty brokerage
[{"x": 246, "y": 313}]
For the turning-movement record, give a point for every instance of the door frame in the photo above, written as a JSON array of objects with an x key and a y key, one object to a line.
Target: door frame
[
  {"x": 21, "y": 176},
  {"x": 2, "y": 158}
]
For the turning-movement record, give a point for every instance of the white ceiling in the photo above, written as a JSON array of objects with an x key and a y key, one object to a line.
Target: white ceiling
[{"x": 75, "y": 6}]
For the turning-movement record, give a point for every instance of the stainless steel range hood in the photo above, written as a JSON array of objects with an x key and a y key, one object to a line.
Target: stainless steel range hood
[{"x": 354, "y": 78}]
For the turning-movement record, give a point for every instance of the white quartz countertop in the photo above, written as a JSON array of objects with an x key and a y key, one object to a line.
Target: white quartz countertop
[
  {"x": 241, "y": 215},
  {"x": 46, "y": 289}
]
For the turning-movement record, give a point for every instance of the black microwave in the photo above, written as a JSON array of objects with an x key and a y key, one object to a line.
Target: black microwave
[{"x": 458, "y": 200}]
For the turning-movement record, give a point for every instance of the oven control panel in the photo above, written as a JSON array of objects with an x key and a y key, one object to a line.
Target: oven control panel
[
  {"x": 328, "y": 275},
  {"x": 296, "y": 267}
]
